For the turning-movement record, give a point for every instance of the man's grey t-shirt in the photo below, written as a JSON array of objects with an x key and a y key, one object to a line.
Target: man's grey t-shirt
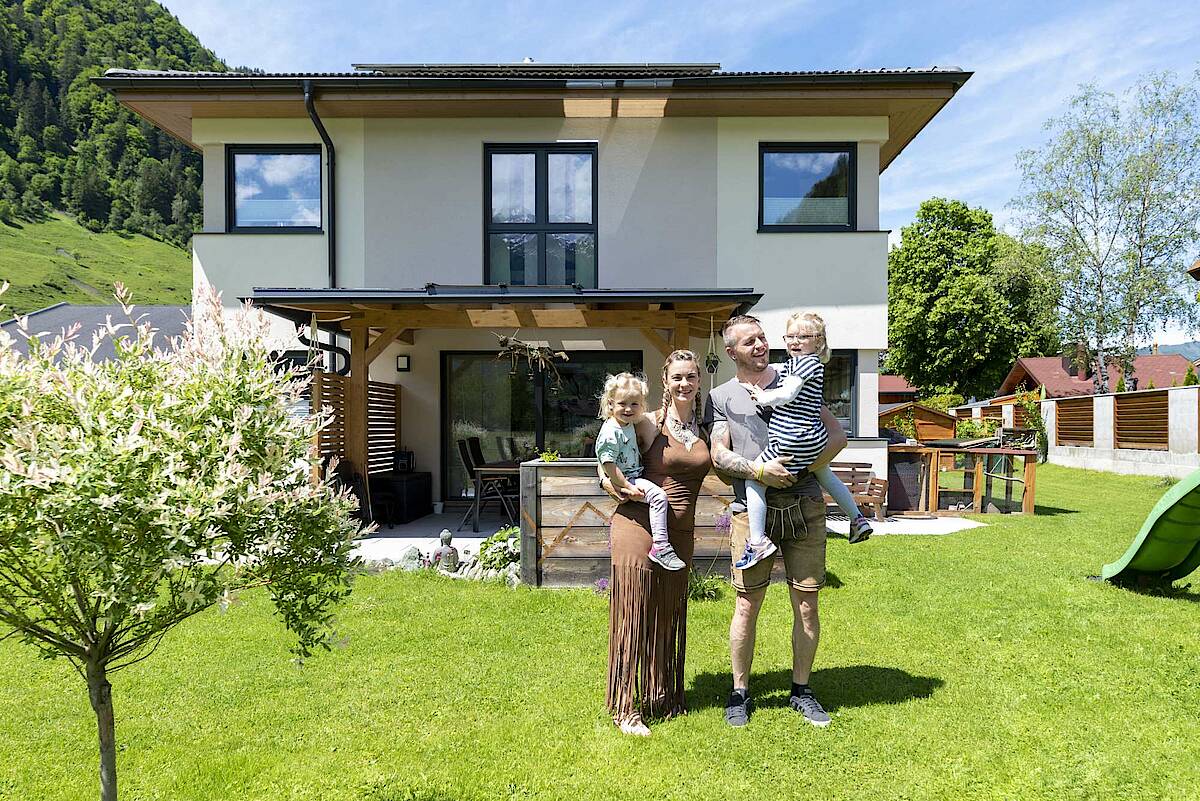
[{"x": 730, "y": 402}]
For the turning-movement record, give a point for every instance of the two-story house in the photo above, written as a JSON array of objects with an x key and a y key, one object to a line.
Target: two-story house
[{"x": 611, "y": 211}]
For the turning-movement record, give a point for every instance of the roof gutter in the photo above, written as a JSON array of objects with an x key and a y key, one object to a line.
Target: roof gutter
[
  {"x": 367, "y": 82},
  {"x": 331, "y": 229}
]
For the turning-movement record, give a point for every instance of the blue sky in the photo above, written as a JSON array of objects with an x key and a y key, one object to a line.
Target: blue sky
[{"x": 1028, "y": 58}]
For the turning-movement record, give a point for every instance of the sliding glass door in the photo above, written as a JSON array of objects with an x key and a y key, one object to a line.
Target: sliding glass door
[{"x": 514, "y": 414}]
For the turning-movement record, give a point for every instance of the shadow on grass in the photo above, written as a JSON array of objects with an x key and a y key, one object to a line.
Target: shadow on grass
[
  {"x": 838, "y": 687},
  {"x": 1051, "y": 511},
  {"x": 1153, "y": 587}
]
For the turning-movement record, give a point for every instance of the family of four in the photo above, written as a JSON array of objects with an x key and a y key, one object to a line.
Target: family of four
[{"x": 766, "y": 431}]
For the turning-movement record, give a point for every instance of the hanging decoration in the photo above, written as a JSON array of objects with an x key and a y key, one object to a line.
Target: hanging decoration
[
  {"x": 711, "y": 359},
  {"x": 536, "y": 357}
]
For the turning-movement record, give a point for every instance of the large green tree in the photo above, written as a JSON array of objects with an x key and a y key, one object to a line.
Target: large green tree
[
  {"x": 70, "y": 145},
  {"x": 1114, "y": 199},
  {"x": 963, "y": 301}
]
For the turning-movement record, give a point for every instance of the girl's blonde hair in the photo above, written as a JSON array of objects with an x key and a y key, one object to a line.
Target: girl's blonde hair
[
  {"x": 811, "y": 323},
  {"x": 614, "y": 384}
]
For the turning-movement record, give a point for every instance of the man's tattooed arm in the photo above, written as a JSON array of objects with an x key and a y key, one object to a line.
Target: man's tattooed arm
[
  {"x": 725, "y": 460},
  {"x": 731, "y": 465}
]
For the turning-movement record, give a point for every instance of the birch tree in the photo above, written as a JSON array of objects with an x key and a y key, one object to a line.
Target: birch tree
[
  {"x": 1114, "y": 196},
  {"x": 140, "y": 491}
]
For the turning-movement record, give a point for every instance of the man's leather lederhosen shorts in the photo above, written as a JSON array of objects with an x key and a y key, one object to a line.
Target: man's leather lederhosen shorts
[{"x": 798, "y": 529}]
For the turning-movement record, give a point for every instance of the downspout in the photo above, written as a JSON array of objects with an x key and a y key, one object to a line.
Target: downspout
[
  {"x": 331, "y": 173},
  {"x": 330, "y": 348}
]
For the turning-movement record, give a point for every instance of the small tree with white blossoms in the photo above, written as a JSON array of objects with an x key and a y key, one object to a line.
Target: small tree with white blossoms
[{"x": 141, "y": 490}]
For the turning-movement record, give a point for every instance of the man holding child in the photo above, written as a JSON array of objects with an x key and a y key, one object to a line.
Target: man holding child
[{"x": 795, "y": 519}]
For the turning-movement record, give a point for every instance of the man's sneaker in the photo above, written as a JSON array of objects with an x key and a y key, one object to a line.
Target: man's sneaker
[
  {"x": 860, "y": 530},
  {"x": 665, "y": 556},
  {"x": 807, "y": 705},
  {"x": 737, "y": 709},
  {"x": 753, "y": 555}
]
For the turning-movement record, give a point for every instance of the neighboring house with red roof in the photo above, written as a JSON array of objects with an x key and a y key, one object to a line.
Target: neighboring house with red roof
[
  {"x": 895, "y": 389},
  {"x": 1061, "y": 378}
]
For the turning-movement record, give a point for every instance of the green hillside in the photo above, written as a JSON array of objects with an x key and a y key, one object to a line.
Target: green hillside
[{"x": 58, "y": 259}]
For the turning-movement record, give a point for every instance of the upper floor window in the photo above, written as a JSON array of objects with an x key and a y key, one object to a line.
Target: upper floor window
[
  {"x": 540, "y": 214},
  {"x": 806, "y": 187},
  {"x": 274, "y": 188}
]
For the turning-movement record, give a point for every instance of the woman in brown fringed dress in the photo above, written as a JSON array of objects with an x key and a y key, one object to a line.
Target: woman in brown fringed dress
[{"x": 648, "y": 608}]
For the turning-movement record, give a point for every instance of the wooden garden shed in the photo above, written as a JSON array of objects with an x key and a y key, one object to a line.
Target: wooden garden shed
[{"x": 930, "y": 424}]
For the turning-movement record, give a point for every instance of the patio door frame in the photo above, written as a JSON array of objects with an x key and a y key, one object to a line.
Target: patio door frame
[{"x": 539, "y": 403}]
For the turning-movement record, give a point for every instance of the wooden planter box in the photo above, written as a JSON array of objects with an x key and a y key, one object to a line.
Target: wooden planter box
[{"x": 564, "y": 525}]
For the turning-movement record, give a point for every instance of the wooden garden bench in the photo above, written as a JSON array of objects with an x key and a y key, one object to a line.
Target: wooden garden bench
[{"x": 870, "y": 492}]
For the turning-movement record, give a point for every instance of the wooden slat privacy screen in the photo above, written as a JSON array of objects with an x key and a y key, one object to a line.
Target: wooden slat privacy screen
[
  {"x": 1073, "y": 422},
  {"x": 1140, "y": 421},
  {"x": 383, "y": 425},
  {"x": 383, "y": 419},
  {"x": 993, "y": 413},
  {"x": 329, "y": 389}
]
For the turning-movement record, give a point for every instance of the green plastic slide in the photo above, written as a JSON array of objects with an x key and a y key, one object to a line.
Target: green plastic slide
[{"x": 1168, "y": 546}]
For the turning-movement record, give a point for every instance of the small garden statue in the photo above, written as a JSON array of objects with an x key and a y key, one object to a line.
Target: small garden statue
[{"x": 445, "y": 556}]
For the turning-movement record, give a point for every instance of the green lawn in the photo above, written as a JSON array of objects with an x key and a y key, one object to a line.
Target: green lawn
[
  {"x": 60, "y": 260},
  {"x": 977, "y": 665}
]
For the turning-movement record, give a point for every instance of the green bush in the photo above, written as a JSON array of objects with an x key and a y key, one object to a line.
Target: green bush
[
  {"x": 708, "y": 587},
  {"x": 973, "y": 428},
  {"x": 501, "y": 549}
]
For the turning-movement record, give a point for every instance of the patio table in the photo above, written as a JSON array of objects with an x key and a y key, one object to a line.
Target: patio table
[{"x": 493, "y": 470}]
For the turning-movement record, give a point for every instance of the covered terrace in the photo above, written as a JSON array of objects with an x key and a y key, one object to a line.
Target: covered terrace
[{"x": 373, "y": 319}]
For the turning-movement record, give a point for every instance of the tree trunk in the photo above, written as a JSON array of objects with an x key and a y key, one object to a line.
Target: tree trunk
[{"x": 100, "y": 693}]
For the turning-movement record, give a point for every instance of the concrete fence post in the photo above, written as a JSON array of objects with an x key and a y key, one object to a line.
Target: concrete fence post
[
  {"x": 1050, "y": 420},
  {"x": 1103, "y": 436},
  {"x": 1183, "y": 419},
  {"x": 1008, "y": 415}
]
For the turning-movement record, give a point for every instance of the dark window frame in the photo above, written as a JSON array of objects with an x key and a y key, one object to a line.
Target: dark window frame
[
  {"x": 231, "y": 151},
  {"x": 541, "y": 227},
  {"x": 810, "y": 147},
  {"x": 777, "y": 355},
  {"x": 446, "y": 448}
]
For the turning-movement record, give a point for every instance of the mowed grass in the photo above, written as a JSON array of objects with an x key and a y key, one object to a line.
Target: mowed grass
[
  {"x": 976, "y": 665},
  {"x": 59, "y": 260}
]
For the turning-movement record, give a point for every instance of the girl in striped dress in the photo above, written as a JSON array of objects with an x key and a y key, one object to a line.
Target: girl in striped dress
[{"x": 795, "y": 430}]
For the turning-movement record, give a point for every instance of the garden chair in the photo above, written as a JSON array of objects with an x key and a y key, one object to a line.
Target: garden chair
[{"x": 487, "y": 489}]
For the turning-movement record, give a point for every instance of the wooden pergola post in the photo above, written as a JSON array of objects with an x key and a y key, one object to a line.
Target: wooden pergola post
[{"x": 356, "y": 402}]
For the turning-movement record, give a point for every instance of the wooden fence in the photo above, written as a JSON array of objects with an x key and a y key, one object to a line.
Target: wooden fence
[
  {"x": 1074, "y": 422},
  {"x": 1140, "y": 421}
]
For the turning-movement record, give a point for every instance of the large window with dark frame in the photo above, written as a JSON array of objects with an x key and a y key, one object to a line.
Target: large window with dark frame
[
  {"x": 841, "y": 386},
  {"x": 806, "y": 187},
  {"x": 540, "y": 214},
  {"x": 273, "y": 188}
]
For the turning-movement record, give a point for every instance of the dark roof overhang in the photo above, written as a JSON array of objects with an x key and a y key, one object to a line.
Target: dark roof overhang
[{"x": 908, "y": 98}]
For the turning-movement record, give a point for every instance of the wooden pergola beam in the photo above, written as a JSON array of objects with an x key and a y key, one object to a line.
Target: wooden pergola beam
[
  {"x": 376, "y": 348},
  {"x": 682, "y": 333},
  {"x": 510, "y": 318},
  {"x": 658, "y": 341}
]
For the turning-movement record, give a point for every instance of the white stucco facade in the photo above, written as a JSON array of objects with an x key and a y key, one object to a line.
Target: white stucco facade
[{"x": 677, "y": 207}]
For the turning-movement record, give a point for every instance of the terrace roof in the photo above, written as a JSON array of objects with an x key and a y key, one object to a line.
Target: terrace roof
[{"x": 685, "y": 312}]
